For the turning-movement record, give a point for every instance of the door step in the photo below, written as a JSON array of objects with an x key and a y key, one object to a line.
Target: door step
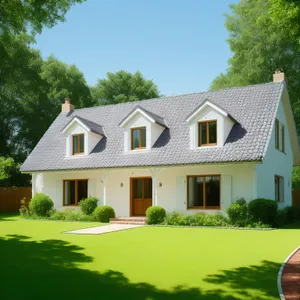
[{"x": 129, "y": 220}]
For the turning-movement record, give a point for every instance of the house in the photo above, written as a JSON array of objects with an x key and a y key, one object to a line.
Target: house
[{"x": 189, "y": 153}]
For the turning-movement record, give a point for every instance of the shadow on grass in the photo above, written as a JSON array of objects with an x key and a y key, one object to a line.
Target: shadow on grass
[
  {"x": 54, "y": 269},
  {"x": 261, "y": 278},
  {"x": 8, "y": 216}
]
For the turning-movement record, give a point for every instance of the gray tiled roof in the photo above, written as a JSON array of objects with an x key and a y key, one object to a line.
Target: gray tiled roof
[
  {"x": 254, "y": 108},
  {"x": 96, "y": 128},
  {"x": 159, "y": 120}
]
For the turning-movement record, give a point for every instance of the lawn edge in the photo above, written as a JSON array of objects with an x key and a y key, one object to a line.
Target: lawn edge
[{"x": 279, "y": 276}]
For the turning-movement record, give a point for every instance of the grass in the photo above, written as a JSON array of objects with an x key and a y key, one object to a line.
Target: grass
[{"x": 39, "y": 262}]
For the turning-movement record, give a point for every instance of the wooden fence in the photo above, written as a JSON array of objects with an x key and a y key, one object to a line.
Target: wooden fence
[
  {"x": 296, "y": 197},
  {"x": 10, "y": 198}
]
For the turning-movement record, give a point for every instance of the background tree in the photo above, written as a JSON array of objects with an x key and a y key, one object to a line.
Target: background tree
[
  {"x": 264, "y": 35},
  {"x": 122, "y": 87},
  {"x": 21, "y": 81}
]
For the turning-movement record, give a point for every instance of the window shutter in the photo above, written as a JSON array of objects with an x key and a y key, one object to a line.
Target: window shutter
[{"x": 226, "y": 191}]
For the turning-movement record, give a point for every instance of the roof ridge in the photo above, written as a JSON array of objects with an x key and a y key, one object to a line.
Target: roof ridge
[{"x": 175, "y": 96}]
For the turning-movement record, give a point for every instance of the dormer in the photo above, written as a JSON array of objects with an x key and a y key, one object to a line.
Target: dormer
[
  {"x": 210, "y": 126},
  {"x": 141, "y": 129},
  {"x": 81, "y": 136}
]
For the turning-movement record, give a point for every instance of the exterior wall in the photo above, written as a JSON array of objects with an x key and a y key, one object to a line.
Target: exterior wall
[
  {"x": 276, "y": 163},
  {"x": 224, "y": 126},
  {"x": 169, "y": 185},
  {"x": 153, "y": 131}
]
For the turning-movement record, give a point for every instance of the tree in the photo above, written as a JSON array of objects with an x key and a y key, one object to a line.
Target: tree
[
  {"x": 23, "y": 90},
  {"x": 122, "y": 87},
  {"x": 41, "y": 103},
  {"x": 264, "y": 36}
]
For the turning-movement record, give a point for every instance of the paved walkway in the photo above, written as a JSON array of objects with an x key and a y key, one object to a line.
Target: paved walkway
[{"x": 104, "y": 229}]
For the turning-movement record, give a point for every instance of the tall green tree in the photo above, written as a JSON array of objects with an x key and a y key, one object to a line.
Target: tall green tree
[
  {"x": 264, "y": 35},
  {"x": 21, "y": 81},
  {"x": 122, "y": 87},
  {"x": 40, "y": 104}
]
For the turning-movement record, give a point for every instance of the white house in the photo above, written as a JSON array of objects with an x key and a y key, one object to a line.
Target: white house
[{"x": 189, "y": 153}]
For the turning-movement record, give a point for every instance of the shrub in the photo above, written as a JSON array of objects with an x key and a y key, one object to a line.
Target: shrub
[
  {"x": 24, "y": 207},
  {"x": 175, "y": 219},
  {"x": 41, "y": 205},
  {"x": 103, "y": 213},
  {"x": 292, "y": 213},
  {"x": 281, "y": 217},
  {"x": 71, "y": 214},
  {"x": 238, "y": 213},
  {"x": 88, "y": 205},
  {"x": 258, "y": 225},
  {"x": 155, "y": 215},
  {"x": 263, "y": 210},
  {"x": 198, "y": 219}
]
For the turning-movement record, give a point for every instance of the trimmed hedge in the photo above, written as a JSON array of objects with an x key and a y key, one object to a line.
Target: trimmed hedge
[
  {"x": 238, "y": 213},
  {"x": 88, "y": 205},
  {"x": 103, "y": 213},
  {"x": 41, "y": 205},
  {"x": 155, "y": 215},
  {"x": 263, "y": 210}
]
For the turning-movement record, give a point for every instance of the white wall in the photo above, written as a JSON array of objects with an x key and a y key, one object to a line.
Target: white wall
[
  {"x": 224, "y": 126},
  {"x": 276, "y": 163},
  {"x": 237, "y": 181}
]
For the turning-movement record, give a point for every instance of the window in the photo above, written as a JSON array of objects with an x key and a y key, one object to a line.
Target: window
[
  {"x": 282, "y": 138},
  {"x": 138, "y": 138},
  {"x": 203, "y": 191},
  {"x": 78, "y": 144},
  {"x": 207, "y": 133},
  {"x": 74, "y": 191},
  {"x": 279, "y": 188},
  {"x": 279, "y": 136}
]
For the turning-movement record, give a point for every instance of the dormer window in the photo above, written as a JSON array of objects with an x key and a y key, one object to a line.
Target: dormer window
[
  {"x": 142, "y": 129},
  {"x": 138, "y": 138},
  {"x": 207, "y": 133},
  {"x": 78, "y": 144}
]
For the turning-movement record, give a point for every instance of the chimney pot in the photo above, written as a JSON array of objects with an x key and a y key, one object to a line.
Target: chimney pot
[
  {"x": 278, "y": 76},
  {"x": 67, "y": 106}
]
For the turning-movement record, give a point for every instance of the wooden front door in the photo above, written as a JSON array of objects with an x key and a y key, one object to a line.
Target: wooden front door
[{"x": 141, "y": 195}]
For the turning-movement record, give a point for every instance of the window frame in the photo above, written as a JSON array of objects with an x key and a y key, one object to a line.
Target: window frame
[
  {"x": 282, "y": 133},
  {"x": 141, "y": 137},
  {"x": 280, "y": 192},
  {"x": 277, "y": 134},
  {"x": 78, "y": 146},
  {"x": 204, "y": 192},
  {"x": 207, "y": 133},
  {"x": 76, "y": 190}
]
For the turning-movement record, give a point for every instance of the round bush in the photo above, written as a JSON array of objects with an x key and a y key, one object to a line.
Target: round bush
[
  {"x": 263, "y": 210},
  {"x": 104, "y": 213},
  {"x": 238, "y": 214},
  {"x": 41, "y": 205},
  {"x": 155, "y": 215},
  {"x": 88, "y": 205}
]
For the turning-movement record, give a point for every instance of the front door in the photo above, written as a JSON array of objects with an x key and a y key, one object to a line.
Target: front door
[{"x": 141, "y": 195}]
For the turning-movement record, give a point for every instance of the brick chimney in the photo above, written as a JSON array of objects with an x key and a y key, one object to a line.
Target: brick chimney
[
  {"x": 278, "y": 76},
  {"x": 67, "y": 106}
]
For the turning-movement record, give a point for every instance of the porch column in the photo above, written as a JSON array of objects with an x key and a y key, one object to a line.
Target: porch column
[
  {"x": 104, "y": 181},
  {"x": 154, "y": 173}
]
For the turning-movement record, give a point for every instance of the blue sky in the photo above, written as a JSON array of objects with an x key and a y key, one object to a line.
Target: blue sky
[{"x": 179, "y": 44}]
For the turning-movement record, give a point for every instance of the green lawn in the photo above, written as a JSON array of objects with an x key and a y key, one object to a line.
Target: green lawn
[{"x": 37, "y": 261}]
